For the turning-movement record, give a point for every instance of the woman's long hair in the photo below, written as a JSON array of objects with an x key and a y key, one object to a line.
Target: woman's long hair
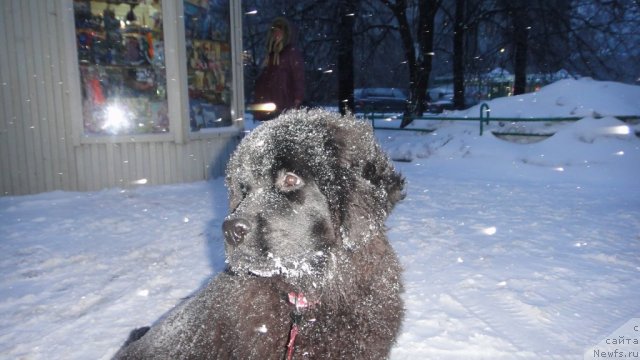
[{"x": 275, "y": 46}]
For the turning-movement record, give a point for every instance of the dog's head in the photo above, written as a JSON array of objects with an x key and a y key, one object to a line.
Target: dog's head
[{"x": 302, "y": 187}]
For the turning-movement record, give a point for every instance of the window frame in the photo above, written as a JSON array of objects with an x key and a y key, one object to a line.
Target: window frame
[{"x": 176, "y": 75}]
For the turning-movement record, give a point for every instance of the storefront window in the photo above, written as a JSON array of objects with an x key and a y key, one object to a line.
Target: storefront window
[
  {"x": 208, "y": 63},
  {"x": 122, "y": 68}
]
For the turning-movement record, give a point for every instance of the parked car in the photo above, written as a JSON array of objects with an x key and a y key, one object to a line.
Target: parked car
[
  {"x": 446, "y": 103},
  {"x": 441, "y": 99},
  {"x": 380, "y": 100},
  {"x": 440, "y": 106}
]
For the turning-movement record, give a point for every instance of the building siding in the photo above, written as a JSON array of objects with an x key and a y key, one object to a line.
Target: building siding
[{"x": 37, "y": 149}]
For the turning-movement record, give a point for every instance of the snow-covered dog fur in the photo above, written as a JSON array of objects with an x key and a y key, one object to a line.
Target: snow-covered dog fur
[{"x": 310, "y": 271}]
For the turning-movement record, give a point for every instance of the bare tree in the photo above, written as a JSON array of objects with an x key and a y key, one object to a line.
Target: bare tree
[
  {"x": 604, "y": 38},
  {"x": 376, "y": 49},
  {"x": 419, "y": 63},
  {"x": 415, "y": 43}
]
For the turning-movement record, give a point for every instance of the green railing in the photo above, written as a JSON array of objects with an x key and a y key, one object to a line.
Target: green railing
[{"x": 483, "y": 119}]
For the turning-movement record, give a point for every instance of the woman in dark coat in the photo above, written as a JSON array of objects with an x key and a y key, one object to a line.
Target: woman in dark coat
[{"x": 281, "y": 81}]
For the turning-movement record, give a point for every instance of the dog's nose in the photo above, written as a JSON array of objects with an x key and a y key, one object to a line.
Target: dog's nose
[{"x": 235, "y": 230}]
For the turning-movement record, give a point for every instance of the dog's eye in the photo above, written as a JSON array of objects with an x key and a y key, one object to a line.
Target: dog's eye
[{"x": 289, "y": 181}]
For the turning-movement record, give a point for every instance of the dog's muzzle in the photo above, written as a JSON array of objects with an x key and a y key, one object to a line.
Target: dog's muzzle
[{"x": 235, "y": 230}]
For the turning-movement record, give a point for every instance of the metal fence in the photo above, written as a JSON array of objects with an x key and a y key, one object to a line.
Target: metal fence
[{"x": 483, "y": 120}]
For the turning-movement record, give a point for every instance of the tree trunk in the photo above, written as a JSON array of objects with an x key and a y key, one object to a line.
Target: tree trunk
[
  {"x": 458, "y": 55},
  {"x": 399, "y": 9},
  {"x": 428, "y": 9},
  {"x": 419, "y": 68},
  {"x": 521, "y": 44},
  {"x": 346, "y": 12}
]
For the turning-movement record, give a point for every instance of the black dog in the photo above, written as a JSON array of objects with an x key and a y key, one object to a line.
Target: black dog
[{"x": 310, "y": 271}]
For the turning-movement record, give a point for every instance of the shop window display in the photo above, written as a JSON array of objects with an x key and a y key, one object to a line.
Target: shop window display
[
  {"x": 208, "y": 63},
  {"x": 122, "y": 69}
]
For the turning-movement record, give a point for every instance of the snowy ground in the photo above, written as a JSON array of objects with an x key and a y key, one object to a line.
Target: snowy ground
[{"x": 510, "y": 250}]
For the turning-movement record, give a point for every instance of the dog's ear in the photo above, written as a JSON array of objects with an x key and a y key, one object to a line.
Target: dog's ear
[
  {"x": 372, "y": 185},
  {"x": 380, "y": 172},
  {"x": 360, "y": 152}
]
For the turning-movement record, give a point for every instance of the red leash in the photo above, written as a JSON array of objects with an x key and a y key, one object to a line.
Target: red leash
[
  {"x": 301, "y": 303},
  {"x": 292, "y": 339}
]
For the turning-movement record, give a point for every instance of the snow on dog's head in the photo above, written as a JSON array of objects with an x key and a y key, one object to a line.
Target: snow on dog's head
[{"x": 303, "y": 188}]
